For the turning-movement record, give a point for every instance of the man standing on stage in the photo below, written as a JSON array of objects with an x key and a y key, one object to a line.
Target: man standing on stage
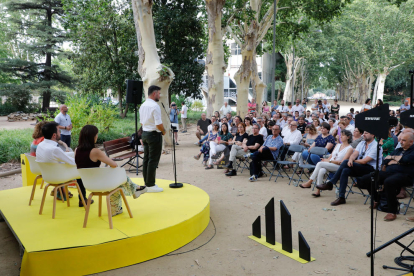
[
  {"x": 64, "y": 124},
  {"x": 153, "y": 129}
]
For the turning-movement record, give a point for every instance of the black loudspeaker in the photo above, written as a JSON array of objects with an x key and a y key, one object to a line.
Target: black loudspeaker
[{"x": 134, "y": 91}]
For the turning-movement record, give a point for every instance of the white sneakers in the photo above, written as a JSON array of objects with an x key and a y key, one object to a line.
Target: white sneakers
[
  {"x": 139, "y": 192},
  {"x": 154, "y": 189}
]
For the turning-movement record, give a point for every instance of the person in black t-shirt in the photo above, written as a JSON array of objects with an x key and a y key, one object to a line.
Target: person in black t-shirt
[
  {"x": 301, "y": 125},
  {"x": 249, "y": 145},
  {"x": 202, "y": 126}
]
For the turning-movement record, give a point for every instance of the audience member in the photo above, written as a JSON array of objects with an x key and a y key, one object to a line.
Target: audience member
[
  {"x": 361, "y": 162},
  {"x": 331, "y": 164},
  {"x": 219, "y": 144},
  {"x": 263, "y": 130},
  {"x": 265, "y": 107},
  {"x": 252, "y": 105},
  {"x": 357, "y": 137},
  {"x": 269, "y": 151},
  {"x": 346, "y": 121},
  {"x": 387, "y": 144},
  {"x": 229, "y": 118},
  {"x": 324, "y": 140},
  {"x": 205, "y": 149},
  {"x": 308, "y": 117},
  {"x": 184, "y": 110},
  {"x": 316, "y": 124},
  {"x": 404, "y": 107},
  {"x": 335, "y": 107},
  {"x": 367, "y": 106},
  {"x": 292, "y": 136},
  {"x": 234, "y": 127},
  {"x": 240, "y": 137},
  {"x": 315, "y": 106},
  {"x": 174, "y": 119},
  {"x": 225, "y": 109},
  {"x": 274, "y": 107},
  {"x": 64, "y": 124},
  {"x": 351, "y": 119},
  {"x": 289, "y": 104},
  {"x": 282, "y": 108},
  {"x": 301, "y": 124},
  {"x": 202, "y": 126},
  {"x": 250, "y": 145},
  {"x": 379, "y": 103},
  {"x": 326, "y": 105},
  {"x": 249, "y": 125},
  {"x": 398, "y": 173},
  {"x": 298, "y": 107},
  {"x": 398, "y": 129}
]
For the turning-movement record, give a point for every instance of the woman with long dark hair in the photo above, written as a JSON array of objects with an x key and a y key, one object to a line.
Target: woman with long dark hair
[
  {"x": 88, "y": 156},
  {"x": 219, "y": 145}
]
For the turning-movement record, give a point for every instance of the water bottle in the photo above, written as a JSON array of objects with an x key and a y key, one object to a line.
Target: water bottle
[
  {"x": 337, "y": 193},
  {"x": 402, "y": 206}
]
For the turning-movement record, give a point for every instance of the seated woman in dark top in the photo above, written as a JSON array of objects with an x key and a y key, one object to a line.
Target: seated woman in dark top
[
  {"x": 87, "y": 156},
  {"x": 220, "y": 144},
  {"x": 324, "y": 140},
  {"x": 238, "y": 140}
]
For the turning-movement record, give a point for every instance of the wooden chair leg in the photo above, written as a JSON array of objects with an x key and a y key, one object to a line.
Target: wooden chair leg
[
  {"x": 61, "y": 194},
  {"x": 126, "y": 203},
  {"x": 108, "y": 205},
  {"x": 85, "y": 221},
  {"x": 80, "y": 194},
  {"x": 43, "y": 182},
  {"x": 54, "y": 201},
  {"x": 33, "y": 189},
  {"x": 67, "y": 194},
  {"x": 43, "y": 199},
  {"x": 100, "y": 205}
]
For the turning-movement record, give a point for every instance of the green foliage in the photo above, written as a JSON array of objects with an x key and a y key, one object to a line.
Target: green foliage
[
  {"x": 88, "y": 111},
  {"x": 13, "y": 143},
  {"x": 6, "y": 109},
  {"x": 35, "y": 27},
  {"x": 179, "y": 34},
  {"x": 105, "y": 52},
  {"x": 197, "y": 106},
  {"x": 178, "y": 99}
]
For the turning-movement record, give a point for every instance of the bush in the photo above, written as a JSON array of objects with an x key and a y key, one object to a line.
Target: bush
[
  {"x": 197, "y": 106},
  {"x": 6, "y": 109},
  {"x": 13, "y": 143},
  {"x": 84, "y": 110}
]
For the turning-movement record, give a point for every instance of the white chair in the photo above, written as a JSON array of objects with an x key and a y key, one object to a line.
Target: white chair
[
  {"x": 35, "y": 169},
  {"x": 103, "y": 182},
  {"x": 59, "y": 176}
]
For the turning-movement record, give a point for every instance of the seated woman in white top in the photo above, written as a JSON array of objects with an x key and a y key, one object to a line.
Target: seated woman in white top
[
  {"x": 367, "y": 106},
  {"x": 341, "y": 152}
]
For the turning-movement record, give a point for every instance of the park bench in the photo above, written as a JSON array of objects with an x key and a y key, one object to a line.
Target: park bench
[{"x": 120, "y": 149}]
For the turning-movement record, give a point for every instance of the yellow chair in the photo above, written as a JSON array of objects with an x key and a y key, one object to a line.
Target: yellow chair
[
  {"x": 59, "y": 176},
  {"x": 103, "y": 182}
]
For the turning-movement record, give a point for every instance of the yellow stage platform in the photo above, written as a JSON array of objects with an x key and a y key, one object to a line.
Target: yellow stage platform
[{"x": 162, "y": 222}]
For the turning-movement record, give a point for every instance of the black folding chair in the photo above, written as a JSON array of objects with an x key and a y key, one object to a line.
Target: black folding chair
[
  {"x": 410, "y": 191},
  {"x": 282, "y": 163},
  {"x": 315, "y": 150},
  {"x": 274, "y": 162}
]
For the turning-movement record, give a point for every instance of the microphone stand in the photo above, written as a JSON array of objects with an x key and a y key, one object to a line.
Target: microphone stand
[{"x": 175, "y": 184}]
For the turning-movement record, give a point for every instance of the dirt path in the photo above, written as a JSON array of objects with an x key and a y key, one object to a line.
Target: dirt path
[{"x": 338, "y": 239}]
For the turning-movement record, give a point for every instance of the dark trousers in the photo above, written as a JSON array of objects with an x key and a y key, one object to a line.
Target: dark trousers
[
  {"x": 285, "y": 150},
  {"x": 66, "y": 138},
  {"x": 344, "y": 171},
  {"x": 392, "y": 184},
  {"x": 257, "y": 157},
  {"x": 82, "y": 188},
  {"x": 152, "y": 152}
]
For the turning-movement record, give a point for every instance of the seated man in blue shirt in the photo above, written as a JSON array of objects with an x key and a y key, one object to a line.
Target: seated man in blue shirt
[
  {"x": 399, "y": 172},
  {"x": 269, "y": 151},
  {"x": 361, "y": 162}
]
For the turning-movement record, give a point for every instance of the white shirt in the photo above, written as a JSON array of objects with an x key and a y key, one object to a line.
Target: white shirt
[
  {"x": 63, "y": 120},
  {"x": 282, "y": 109},
  {"x": 328, "y": 106},
  {"x": 285, "y": 129},
  {"x": 371, "y": 151},
  {"x": 150, "y": 115},
  {"x": 365, "y": 106},
  {"x": 339, "y": 155},
  {"x": 282, "y": 123},
  {"x": 224, "y": 110},
  {"x": 292, "y": 137},
  {"x": 263, "y": 131},
  {"x": 351, "y": 128},
  {"x": 184, "y": 110},
  {"x": 299, "y": 108},
  {"x": 49, "y": 152}
]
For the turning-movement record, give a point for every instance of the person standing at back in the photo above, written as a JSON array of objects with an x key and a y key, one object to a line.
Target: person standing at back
[
  {"x": 183, "y": 111},
  {"x": 64, "y": 124},
  {"x": 153, "y": 129}
]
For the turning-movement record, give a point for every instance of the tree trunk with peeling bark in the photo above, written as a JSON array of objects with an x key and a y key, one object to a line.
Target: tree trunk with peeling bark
[
  {"x": 242, "y": 78},
  {"x": 215, "y": 65},
  {"x": 380, "y": 87},
  {"x": 151, "y": 70}
]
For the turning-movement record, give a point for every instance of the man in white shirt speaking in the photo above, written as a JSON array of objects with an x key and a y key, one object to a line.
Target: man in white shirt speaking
[
  {"x": 184, "y": 110},
  {"x": 64, "y": 124},
  {"x": 153, "y": 129}
]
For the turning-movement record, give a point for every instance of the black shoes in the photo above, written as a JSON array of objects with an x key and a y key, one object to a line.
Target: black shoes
[{"x": 231, "y": 173}]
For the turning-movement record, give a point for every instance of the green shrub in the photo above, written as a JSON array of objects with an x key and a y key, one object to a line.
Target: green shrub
[
  {"x": 197, "y": 106},
  {"x": 6, "y": 109},
  {"x": 13, "y": 143}
]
